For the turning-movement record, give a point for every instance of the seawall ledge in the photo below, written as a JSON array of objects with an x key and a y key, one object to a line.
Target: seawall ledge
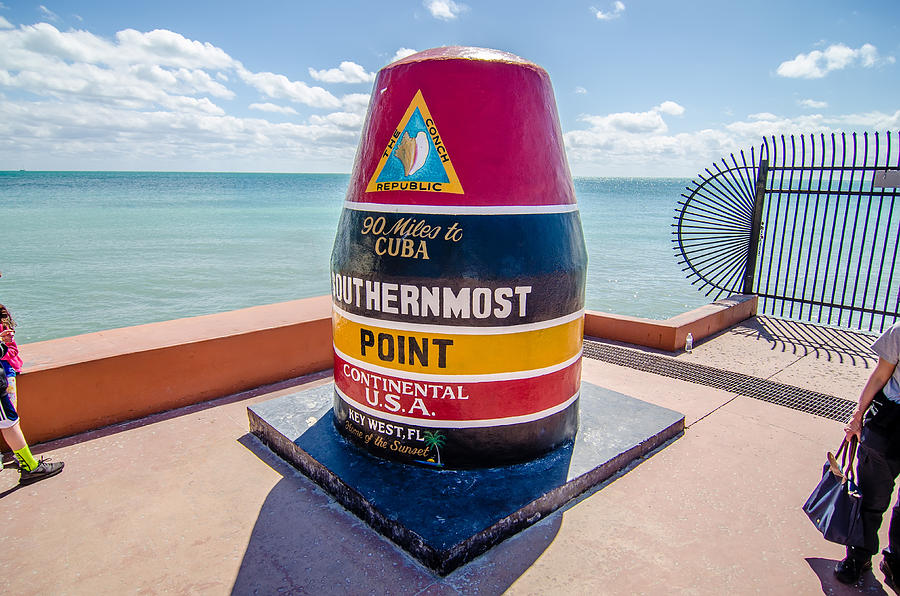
[
  {"x": 112, "y": 343},
  {"x": 670, "y": 334},
  {"x": 76, "y": 384},
  {"x": 80, "y": 383}
]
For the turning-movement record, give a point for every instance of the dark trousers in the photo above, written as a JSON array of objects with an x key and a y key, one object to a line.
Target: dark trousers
[
  {"x": 876, "y": 473},
  {"x": 877, "y": 468}
]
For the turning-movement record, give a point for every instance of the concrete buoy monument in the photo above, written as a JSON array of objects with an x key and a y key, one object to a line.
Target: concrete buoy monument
[
  {"x": 458, "y": 268},
  {"x": 458, "y": 416}
]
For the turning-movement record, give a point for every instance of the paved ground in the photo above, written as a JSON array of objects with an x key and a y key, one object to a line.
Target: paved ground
[{"x": 189, "y": 503}]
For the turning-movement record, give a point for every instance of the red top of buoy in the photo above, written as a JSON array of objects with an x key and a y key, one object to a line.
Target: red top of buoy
[
  {"x": 466, "y": 53},
  {"x": 462, "y": 126}
]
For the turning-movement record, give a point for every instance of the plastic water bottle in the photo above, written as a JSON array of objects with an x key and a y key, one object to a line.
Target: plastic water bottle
[{"x": 689, "y": 342}]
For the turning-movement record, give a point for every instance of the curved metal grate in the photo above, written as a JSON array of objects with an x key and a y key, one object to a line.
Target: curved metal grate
[{"x": 714, "y": 224}]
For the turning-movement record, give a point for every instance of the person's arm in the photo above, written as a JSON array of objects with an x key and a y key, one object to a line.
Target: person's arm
[
  {"x": 12, "y": 348},
  {"x": 12, "y": 352},
  {"x": 5, "y": 336},
  {"x": 877, "y": 380}
]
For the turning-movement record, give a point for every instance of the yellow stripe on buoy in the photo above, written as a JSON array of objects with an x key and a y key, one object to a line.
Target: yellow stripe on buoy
[{"x": 457, "y": 354}]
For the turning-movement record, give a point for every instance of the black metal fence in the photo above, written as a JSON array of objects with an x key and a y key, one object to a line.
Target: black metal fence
[{"x": 811, "y": 224}]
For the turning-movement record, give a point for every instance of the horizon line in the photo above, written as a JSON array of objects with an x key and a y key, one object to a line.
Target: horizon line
[{"x": 274, "y": 173}]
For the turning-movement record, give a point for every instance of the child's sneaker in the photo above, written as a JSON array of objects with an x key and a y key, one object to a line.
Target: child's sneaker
[{"x": 44, "y": 469}]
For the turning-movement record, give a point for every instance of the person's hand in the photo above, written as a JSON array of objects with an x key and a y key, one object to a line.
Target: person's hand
[
  {"x": 6, "y": 336},
  {"x": 854, "y": 426}
]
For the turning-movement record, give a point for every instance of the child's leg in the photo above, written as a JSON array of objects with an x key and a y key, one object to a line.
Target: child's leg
[
  {"x": 30, "y": 470},
  {"x": 16, "y": 441},
  {"x": 12, "y": 432}
]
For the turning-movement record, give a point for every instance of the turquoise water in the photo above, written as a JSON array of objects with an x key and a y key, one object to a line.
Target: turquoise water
[{"x": 87, "y": 251}]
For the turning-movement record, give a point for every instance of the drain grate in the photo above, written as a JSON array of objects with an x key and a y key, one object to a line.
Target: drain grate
[{"x": 796, "y": 398}]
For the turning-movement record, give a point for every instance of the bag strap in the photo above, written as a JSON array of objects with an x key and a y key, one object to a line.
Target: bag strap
[
  {"x": 850, "y": 452},
  {"x": 842, "y": 452},
  {"x": 841, "y": 462}
]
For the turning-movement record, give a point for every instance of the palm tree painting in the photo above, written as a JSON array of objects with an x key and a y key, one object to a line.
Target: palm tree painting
[{"x": 435, "y": 439}]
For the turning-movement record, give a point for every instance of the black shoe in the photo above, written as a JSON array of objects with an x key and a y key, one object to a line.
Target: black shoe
[
  {"x": 851, "y": 569},
  {"x": 44, "y": 469}
]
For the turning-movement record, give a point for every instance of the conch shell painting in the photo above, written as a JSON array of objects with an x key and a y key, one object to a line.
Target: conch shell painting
[{"x": 412, "y": 153}]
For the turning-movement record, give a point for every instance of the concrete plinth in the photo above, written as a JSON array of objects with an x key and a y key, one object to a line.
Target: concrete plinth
[{"x": 445, "y": 518}]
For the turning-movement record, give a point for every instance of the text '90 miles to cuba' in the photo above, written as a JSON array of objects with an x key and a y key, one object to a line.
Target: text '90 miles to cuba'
[{"x": 407, "y": 237}]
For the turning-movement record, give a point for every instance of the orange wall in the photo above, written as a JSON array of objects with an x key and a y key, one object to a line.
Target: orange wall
[
  {"x": 81, "y": 383},
  {"x": 670, "y": 335}
]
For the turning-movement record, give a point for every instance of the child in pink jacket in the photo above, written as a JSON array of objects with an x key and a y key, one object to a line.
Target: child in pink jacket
[
  {"x": 11, "y": 361},
  {"x": 30, "y": 469}
]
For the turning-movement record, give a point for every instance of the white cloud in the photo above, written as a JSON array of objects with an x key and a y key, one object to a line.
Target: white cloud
[
  {"x": 49, "y": 14},
  {"x": 647, "y": 122},
  {"x": 639, "y": 144},
  {"x": 122, "y": 136},
  {"x": 139, "y": 70},
  {"x": 271, "y": 107},
  {"x": 279, "y": 86},
  {"x": 355, "y": 102},
  {"x": 345, "y": 120},
  {"x": 402, "y": 53},
  {"x": 348, "y": 72},
  {"x": 158, "y": 99},
  {"x": 618, "y": 9},
  {"x": 819, "y": 63},
  {"x": 43, "y": 60},
  {"x": 168, "y": 48},
  {"x": 445, "y": 10},
  {"x": 814, "y": 104},
  {"x": 581, "y": 90},
  {"x": 4, "y": 24},
  {"x": 162, "y": 101},
  {"x": 762, "y": 116},
  {"x": 182, "y": 104},
  {"x": 628, "y": 122},
  {"x": 671, "y": 108}
]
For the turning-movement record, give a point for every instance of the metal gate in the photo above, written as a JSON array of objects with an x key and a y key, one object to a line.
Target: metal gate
[{"x": 811, "y": 224}]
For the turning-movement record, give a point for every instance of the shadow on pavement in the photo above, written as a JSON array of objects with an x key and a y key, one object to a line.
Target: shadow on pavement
[
  {"x": 10, "y": 491},
  {"x": 803, "y": 339},
  {"x": 824, "y": 569},
  {"x": 304, "y": 542}
]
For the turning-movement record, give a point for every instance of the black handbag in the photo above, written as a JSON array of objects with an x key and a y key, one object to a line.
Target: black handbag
[{"x": 834, "y": 506}]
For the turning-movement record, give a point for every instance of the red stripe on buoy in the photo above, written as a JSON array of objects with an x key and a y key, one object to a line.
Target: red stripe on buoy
[{"x": 448, "y": 399}]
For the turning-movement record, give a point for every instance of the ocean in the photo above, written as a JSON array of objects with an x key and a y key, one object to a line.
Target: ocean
[{"x": 89, "y": 251}]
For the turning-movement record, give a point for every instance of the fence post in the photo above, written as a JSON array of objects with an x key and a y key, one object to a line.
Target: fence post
[{"x": 753, "y": 247}]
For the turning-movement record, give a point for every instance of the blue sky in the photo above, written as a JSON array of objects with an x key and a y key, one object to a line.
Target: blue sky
[{"x": 643, "y": 87}]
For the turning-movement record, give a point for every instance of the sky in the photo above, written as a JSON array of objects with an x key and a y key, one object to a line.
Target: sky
[{"x": 643, "y": 87}]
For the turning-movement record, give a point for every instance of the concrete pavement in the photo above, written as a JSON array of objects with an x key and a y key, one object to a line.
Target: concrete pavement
[{"x": 187, "y": 502}]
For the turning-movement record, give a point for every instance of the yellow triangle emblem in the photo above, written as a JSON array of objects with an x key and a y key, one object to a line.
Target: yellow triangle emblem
[{"x": 415, "y": 157}]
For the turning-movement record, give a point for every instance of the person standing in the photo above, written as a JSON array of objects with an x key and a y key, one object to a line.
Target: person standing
[
  {"x": 876, "y": 425},
  {"x": 30, "y": 469}
]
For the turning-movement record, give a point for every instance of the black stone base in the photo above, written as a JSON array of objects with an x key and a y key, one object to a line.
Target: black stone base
[{"x": 445, "y": 518}]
